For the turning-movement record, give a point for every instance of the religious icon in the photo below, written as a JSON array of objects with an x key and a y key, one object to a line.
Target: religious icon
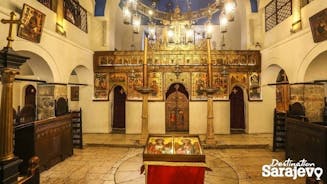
[
  {"x": 117, "y": 79},
  {"x": 220, "y": 82},
  {"x": 255, "y": 94},
  {"x": 155, "y": 82},
  {"x": 32, "y": 24},
  {"x": 160, "y": 145},
  {"x": 101, "y": 81},
  {"x": 238, "y": 78},
  {"x": 254, "y": 79},
  {"x": 318, "y": 24},
  {"x": 101, "y": 95},
  {"x": 74, "y": 93},
  {"x": 134, "y": 81},
  {"x": 187, "y": 146},
  {"x": 199, "y": 84}
]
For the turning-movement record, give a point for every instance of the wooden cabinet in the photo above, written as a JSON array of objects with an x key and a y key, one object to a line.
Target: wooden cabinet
[
  {"x": 279, "y": 130},
  {"x": 50, "y": 140},
  {"x": 53, "y": 141},
  {"x": 77, "y": 129}
]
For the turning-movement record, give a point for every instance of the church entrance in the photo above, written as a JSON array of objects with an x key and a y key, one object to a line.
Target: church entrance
[
  {"x": 30, "y": 96},
  {"x": 118, "y": 125},
  {"x": 237, "y": 119},
  {"x": 177, "y": 109}
]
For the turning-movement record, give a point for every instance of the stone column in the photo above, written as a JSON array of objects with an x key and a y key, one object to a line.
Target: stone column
[
  {"x": 6, "y": 114},
  {"x": 296, "y": 16}
]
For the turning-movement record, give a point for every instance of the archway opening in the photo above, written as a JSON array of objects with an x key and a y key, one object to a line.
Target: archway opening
[
  {"x": 282, "y": 92},
  {"x": 317, "y": 68},
  {"x": 30, "y": 96},
  {"x": 119, "y": 109},
  {"x": 177, "y": 108},
  {"x": 237, "y": 115},
  {"x": 36, "y": 67}
]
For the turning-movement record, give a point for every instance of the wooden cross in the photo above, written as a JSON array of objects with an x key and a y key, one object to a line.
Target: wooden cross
[
  {"x": 11, "y": 21},
  {"x": 235, "y": 90}
]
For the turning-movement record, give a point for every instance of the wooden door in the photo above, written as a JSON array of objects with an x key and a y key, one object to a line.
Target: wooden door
[
  {"x": 237, "y": 119},
  {"x": 119, "y": 108},
  {"x": 30, "y": 95},
  {"x": 177, "y": 109}
]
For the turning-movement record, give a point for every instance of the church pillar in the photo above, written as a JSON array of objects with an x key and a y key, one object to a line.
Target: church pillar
[
  {"x": 9, "y": 65},
  {"x": 6, "y": 114},
  {"x": 296, "y": 16}
]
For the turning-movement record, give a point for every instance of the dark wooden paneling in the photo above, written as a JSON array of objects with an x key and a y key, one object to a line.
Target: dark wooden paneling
[
  {"x": 50, "y": 140},
  {"x": 53, "y": 140},
  {"x": 307, "y": 140}
]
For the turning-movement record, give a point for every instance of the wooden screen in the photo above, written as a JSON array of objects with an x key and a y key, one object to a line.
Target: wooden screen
[
  {"x": 177, "y": 109},
  {"x": 276, "y": 12}
]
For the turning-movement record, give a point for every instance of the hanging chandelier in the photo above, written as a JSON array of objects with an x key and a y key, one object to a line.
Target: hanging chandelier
[{"x": 175, "y": 24}]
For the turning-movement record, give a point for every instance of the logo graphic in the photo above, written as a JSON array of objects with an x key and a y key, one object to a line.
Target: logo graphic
[{"x": 291, "y": 169}]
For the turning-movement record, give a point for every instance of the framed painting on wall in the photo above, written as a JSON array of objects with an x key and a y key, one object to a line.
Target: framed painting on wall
[
  {"x": 32, "y": 24},
  {"x": 220, "y": 82},
  {"x": 101, "y": 95},
  {"x": 117, "y": 79},
  {"x": 74, "y": 93},
  {"x": 101, "y": 81},
  {"x": 155, "y": 83},
  {"x": 254, "y": 86},
  {"x": 134, "y": 81},
  {"x": 101, "y": 86},
  {"x": 199, "y": 84},
  {"x": 318, "y": 24}
]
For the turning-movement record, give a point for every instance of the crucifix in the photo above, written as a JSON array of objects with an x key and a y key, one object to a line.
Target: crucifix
[{"x": 11, "y": 22}]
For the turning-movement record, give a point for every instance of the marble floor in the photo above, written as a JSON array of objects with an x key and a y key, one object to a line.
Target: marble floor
[{"x": 104, "y": 164}]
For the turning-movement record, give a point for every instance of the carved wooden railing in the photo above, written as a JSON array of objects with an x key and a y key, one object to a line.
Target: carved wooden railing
[{"x": 33, "y": 173}]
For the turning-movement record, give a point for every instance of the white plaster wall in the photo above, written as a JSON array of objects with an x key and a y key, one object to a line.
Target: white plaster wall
[
  {"x": 133, "y": 117},
  {"x": 157, "y": 117},
  {"x": 295, "y": 52},
  {"x": 17, "y": 99},
  {"x": 198, "y": 117},
  {"x": 317, "y": 68},
  {"x": 63, "y": 54},
  {"x": 261, "y": 113},
  {"x": 221, "y": 113}
]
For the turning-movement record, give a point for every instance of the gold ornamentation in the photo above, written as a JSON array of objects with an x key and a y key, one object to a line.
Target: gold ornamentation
[{"x": 11, "y": 22}]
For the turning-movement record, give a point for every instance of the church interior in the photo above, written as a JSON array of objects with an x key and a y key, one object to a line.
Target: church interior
[{"x": 163, "y": 91}]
